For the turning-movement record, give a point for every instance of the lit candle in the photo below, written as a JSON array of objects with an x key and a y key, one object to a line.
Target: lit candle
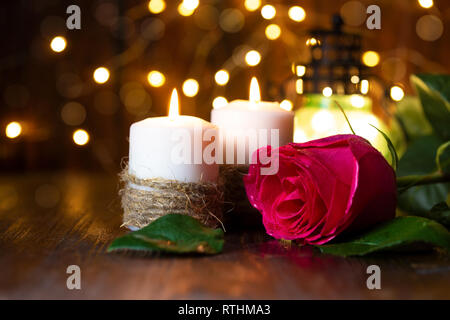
[
  {"x": 242, "y": 120},
  {"x": 156, "y": 144}
]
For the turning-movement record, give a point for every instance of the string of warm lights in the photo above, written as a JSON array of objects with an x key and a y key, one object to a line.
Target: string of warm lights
[{"x": 251, "y": 57}]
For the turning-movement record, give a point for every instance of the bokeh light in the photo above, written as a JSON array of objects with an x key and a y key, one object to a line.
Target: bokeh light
[
  {"x": 73, "y": 113},
  {"x": 297, "y": 13},
  {"x": 429, "y": 27},
  {"x": 370, "y": 58},
  {"x": 327, "y": 91},
  {"x": 221, "y": 77},
  {"x": 58, "y": 44},
  {"x": 207, "y": 17},
  {"x": 231, "y": 20},
  {"x": 156, "y": 6},
  {"x": 364, "y": 86},
  {"x": 80, "y": 137},
  {"x": 156, "y": 79},
  {"x": 185, "y": 11},
  {"x": 252, "y": 5},
  {"x": 273, "y": 31},
  {"x": 191, "y": 4},
  {"x": 219, "y": 102},
  {"x": 357, "y": 101},
  {"x": 268, "y": 12},
  {"x": 397, "y": 93},
  {"x": 300, "y": 70},
  {"x": 286, "y": 105},
  {"x": 426, "y": 3},
  {"x": 299, "y": 86},
  {"x": 190, "y": 87},
  {"x": 13, "y": 129},
  {"x": 253, "y": 58},
  {"x": 353, "y": 13},
  {"x": 323, "y": 121},
  {"x": 101, "y": 75},
  {"x": 354, "y": 79},
  {"x": 312, "y": 42},
  {"x": 136, "y": 99}
]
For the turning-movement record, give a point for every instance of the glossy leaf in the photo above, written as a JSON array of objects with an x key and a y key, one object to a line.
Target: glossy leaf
[
  {"x": 394, "y": 156},
  {"x": 434, "y": 94},
  {"x": 398, "y": 233},
  {"x": 175, "y": 233},
  {"x": 420, "y": 159}
]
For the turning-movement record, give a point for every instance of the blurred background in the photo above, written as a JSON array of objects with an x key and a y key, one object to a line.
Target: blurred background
[{"x": 68, "y": 97}]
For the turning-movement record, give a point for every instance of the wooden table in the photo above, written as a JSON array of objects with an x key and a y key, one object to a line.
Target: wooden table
[{"x": 37, "y": 245}]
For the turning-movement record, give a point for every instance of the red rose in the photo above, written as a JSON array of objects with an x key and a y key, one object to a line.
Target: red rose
[{"x": 322, "y": 188}]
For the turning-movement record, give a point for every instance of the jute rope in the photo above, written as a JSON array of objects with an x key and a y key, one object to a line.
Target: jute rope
[{"x": 145, "y": 200}]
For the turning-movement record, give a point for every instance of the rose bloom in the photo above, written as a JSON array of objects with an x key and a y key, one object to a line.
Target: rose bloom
[{"x": 322, "y": 188}]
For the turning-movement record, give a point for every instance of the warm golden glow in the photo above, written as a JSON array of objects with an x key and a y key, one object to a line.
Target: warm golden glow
[
  {"x": 299, "y": 86},
  {"x": 80, "y": 137},
  {"x": 273, "y": 31},
  {"x": 312, "y": 42},
  {"x": 323, "y": 121},
  {"x": 255, "y": 94},
  {"x": 297, "y": 13},
  {"x": 219, "y": 102},
  {"x": 101, "y": 75},
  {"x": 252, "y": 5},
  {"x": 364, "y": 86},
  {"x": 252, "y": 58},
  {"x": 426, "y": 3},
  {"x": 327, "y": 91},
  {"x": 370, "y": 58},
  {"x": 156, "y": 79},
  {"x": 354, "y": 79},
  {"x": 222, "y": 77},
  {"x": 185, "y": 11},
  {"x": 174, "y": 111},
  {"x": 268, "y": 12},
  {"x": 286, "y": 105},
  {"x": 156, "y": 6},
  {"x": 13, "y": 129},
  {"x": 300, "y": 71},
  {"x": 397, "y": 93},
  {"x": 357, "y": 101},
  {"x": 58, "y": 44},
  {"x": 191, "y": 4},
  {"x": 190, "y": 87}
]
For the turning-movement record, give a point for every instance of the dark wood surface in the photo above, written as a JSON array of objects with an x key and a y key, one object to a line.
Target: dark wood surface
[{"x": 37, "y": 244}]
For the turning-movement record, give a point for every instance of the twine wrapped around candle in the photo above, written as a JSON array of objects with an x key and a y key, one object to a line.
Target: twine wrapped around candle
[
  {"x": 239, "y": 211},
  {"x": 145, "y": 200}
]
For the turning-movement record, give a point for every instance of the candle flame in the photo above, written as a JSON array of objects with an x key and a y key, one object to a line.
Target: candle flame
[
  {"x": 174, "y": 111},
  {"x": 255, "y": 95}
]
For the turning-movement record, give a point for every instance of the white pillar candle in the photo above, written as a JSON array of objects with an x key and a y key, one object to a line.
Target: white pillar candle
[
  {"x": 154, "y": 143},
  {"x": 240, "y": 119}
]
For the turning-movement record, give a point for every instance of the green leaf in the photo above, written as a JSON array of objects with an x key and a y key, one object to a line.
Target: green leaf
[
  {"x": 434, "y": 94},
  {"x": 345, "y": 116},
  {"x": 395, "y": 234},
  {"x": 441, "y": 213},
  {"x": 394, "y": 156},
  {"x": 443, "y": 157},
  {"x": 409, "y": 111},
  {"x": 175, "y": 233},
  {"x": 420, "y": 159}
]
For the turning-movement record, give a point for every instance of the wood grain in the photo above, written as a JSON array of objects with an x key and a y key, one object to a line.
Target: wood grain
[{"x": 37, "y": 244}]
